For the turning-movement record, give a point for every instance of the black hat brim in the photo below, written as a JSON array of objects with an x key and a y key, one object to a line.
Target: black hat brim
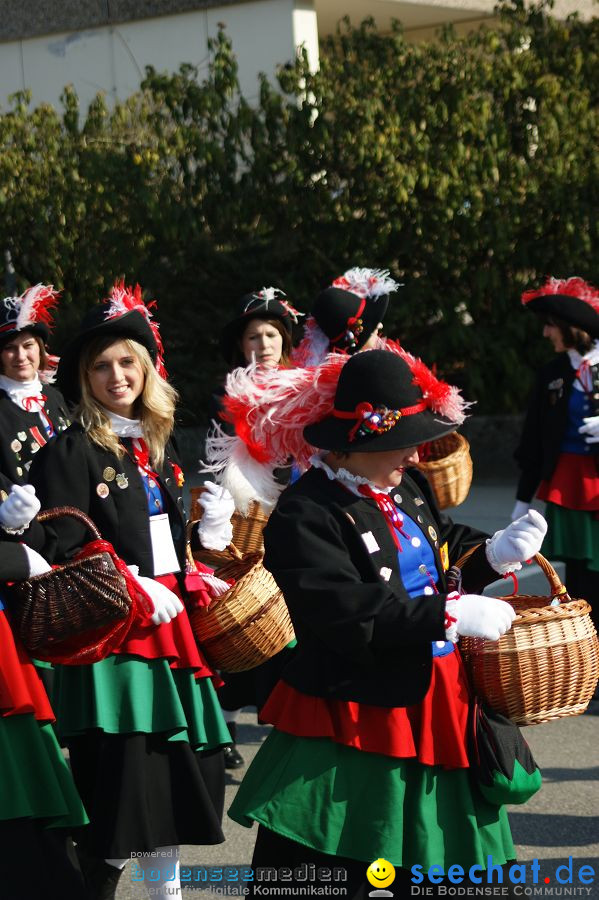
[
  {"x": 132, "y": 325},
  {"x": 332, "y": 433},
  {"x": 569, "y": 309},
  {"x": 37, "y": 328}
]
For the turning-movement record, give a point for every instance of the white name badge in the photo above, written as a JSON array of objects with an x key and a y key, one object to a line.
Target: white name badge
[
  {"x": 163, "y": 549},
  {"x": 370, "y": 541}
]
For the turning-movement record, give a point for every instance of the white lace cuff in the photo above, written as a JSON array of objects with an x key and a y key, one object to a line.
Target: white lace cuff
[{"x": 500, "y": 568}]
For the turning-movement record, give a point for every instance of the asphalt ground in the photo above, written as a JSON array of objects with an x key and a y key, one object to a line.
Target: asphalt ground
[{"x": 559, "y": 822}]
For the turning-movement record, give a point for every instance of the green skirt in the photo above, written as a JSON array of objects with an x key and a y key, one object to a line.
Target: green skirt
[
  {"x": 346, "y": 802},
  {"x": 35, "y": 780},
  {"x": 571, "y": 534},
  {"x": 127, "y": 695}
]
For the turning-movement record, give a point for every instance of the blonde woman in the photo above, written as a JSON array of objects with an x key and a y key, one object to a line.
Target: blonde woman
[{"x": 143, "y": 726}]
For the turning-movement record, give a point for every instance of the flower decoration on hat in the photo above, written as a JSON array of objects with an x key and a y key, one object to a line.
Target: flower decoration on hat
[
  {"x": 371, "y": 420},
  {"x": 123, "y": 300},
  {"x": 33, "y": 307}
]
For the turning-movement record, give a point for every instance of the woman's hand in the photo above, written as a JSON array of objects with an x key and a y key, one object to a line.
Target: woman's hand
[
  {"x": 473, "y": 615},
  {"x": 215, "y": 530},
  {"x": 167, "y": 605},
  {"x": 509, "y": 548},
  {"x": 590, "y": 430},
  {"x": 37, "y": 563},
  {"x": 19, "y": 508}
]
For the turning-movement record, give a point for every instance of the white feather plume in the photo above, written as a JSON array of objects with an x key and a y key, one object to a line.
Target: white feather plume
[{"x": 367, "y": 282}]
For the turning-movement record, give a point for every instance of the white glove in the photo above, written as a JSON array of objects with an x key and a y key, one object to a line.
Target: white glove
[
  {"x": 590, "y": 430},
  {"x": 19, "y": 508},
  {"x": 509, "y": 548},
  {"x": 215, "y": 530},
  {"x": 167, "y": 605},
  {"x": 37, "y": 563},
  {"x": 477, "y": 616},
  {"x": 520, "y": 509}
]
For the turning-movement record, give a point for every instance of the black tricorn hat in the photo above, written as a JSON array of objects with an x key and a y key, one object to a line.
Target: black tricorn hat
[
  {"x": 572, "y": 300},
  {"x": 378, "y": 406},
  {"x": 347, "y": 319},
  {"x": 112, "y": 319},
  {"x": 30, "y": 312},
  {"x": 267, "y": 303}
]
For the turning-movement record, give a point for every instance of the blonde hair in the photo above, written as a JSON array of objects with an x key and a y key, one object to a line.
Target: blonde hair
[{"x": 155, "y": 406}]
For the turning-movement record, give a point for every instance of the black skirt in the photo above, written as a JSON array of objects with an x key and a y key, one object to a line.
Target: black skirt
[{"x": 142, "y": 791}]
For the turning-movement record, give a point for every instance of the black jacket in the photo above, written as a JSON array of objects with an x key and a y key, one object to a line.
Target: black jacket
[
  {"x": 18, "y": 445},
  {"x": 68, "y": 472},
  {"x": 360, "y": 636},
  {"x": 545, "y": 425}
]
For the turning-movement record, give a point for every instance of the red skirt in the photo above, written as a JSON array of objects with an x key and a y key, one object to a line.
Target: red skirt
[
  {"x": 434, "y": 732},
  {"x": 21, "y": 689},
  {"x": 172, "y": 640},
  {"x": 574, "y": 483}
]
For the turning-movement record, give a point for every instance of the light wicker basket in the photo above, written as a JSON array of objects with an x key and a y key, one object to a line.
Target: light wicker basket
[
  {"x": 247, "y": 530},
  {"x": 546, "y": 666},
  {"x": 448, "y": 468},
  {"x": 250, "y": 623}
]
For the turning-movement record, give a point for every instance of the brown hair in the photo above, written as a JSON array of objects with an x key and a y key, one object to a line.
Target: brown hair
[
  {"x": 573, "y": 337},
  {"x": 238, "y": 359},
  {"x": 40, "y": 342}
]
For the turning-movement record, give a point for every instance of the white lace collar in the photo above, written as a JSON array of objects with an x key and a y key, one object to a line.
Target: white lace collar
[
  {"x": 347, "y": 479},
  {"x": 18, "y": 390},
  {"x": 591, "y": 356},
  {"x": 124, "y": 427}
]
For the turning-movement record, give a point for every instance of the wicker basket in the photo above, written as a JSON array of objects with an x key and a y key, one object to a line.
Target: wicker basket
[
  {"x": 248, "y": 624},
  {"x": 448, "y": 468},
  {"x": 546, "y": 667},
  {"x": 247, "y": 530}
]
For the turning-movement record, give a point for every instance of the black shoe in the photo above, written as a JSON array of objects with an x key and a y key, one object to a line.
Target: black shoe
[
  {"x": 233, "y": 758},
  {"x": 101, "y": 879}
]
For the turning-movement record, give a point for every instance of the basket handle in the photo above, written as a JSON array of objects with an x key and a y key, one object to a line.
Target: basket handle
[
  {"x": 557, "y": 589},
  {"x": 47, "y": 515}
]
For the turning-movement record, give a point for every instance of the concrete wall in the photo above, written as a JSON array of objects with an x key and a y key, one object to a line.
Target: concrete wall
[{"x": 111, "y": 57}]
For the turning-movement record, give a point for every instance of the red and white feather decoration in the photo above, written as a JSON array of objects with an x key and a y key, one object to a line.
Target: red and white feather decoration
[
  {"x": 569, "y": 287},
  {"x": 124, "y": 300},
  {"x": 36, "y": 305},
  {"x": 366, "y": 282}
]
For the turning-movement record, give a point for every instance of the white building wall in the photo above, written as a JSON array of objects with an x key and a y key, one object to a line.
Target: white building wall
[{"x": 112, "y": 59}]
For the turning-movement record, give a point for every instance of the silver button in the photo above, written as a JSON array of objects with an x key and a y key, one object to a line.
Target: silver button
[
  {"x": 428, "y": 590},
  {"x": 422, "y": 569},
  {"x": 397, "y": 498},
  {"x": 415, "y": 542}
]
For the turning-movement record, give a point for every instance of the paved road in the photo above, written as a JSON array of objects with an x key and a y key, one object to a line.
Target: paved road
[{"x": 562, "y": 820}]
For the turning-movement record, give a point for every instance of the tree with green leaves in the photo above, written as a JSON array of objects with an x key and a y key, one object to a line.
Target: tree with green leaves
[{"x": 468, "y": 165}]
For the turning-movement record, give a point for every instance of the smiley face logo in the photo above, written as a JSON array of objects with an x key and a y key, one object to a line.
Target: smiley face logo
[{"x": 380, "y": 873}]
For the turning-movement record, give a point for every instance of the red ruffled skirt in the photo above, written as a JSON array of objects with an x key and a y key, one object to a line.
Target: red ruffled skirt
[
  {"x": 574, "y": 483},
  {"x": 172, "y": 640},
  {"x": 21, "y": 689},
  {"x": 434, "y": 732}
]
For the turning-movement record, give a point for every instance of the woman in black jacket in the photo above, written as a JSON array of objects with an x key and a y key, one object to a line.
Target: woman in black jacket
[
  {"x": 559, "y": 445},
  {"x": 143, "y": 726},
  {"x": 32, "y": 411},
  {"x": 368, "y": 756}
]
